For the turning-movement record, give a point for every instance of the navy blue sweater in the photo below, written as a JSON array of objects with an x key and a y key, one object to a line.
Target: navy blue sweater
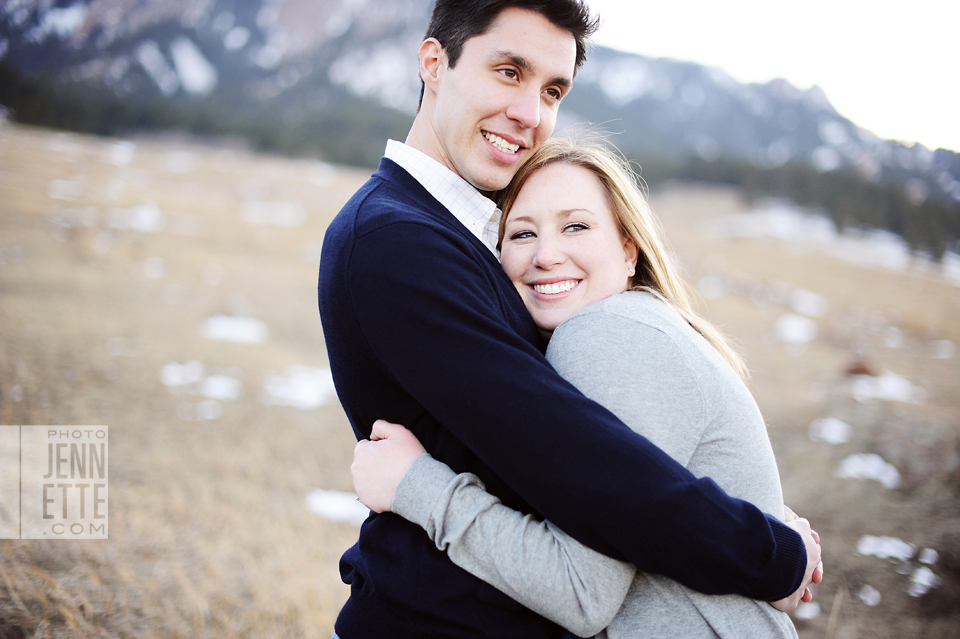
[{"x": 424, "y": 329}]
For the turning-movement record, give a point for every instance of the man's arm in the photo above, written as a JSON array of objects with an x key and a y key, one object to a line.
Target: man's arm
[{"x": 436, "y": 326}]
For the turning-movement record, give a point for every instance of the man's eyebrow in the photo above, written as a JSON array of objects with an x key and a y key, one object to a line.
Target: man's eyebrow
[{"x": 522, "y": 63}]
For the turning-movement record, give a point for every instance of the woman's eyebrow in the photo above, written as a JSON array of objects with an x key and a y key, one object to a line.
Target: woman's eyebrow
[
  {"x": 569, "y": 212},
  {"x": 562, "y": 213}
]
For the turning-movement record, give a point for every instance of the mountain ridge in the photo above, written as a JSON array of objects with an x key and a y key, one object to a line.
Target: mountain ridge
[{"x": 339, "y": 76}]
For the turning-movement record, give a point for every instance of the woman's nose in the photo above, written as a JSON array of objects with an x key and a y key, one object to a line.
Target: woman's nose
[{"x": 548, "y": 254}]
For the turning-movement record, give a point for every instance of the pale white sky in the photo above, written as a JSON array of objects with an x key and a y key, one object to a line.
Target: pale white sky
[{"x": 891, "y": 67}]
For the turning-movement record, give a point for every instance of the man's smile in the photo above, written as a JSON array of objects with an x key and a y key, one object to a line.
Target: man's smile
[{"x": 500, "y": 143}]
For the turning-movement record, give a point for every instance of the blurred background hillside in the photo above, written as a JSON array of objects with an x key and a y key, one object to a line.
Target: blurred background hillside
[
  {"x": 333, "y": 79},
  {"x": 167, "y": 171}
]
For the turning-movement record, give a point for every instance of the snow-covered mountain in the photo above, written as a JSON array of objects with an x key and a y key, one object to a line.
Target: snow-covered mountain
[{"x": 351, "y": 65}]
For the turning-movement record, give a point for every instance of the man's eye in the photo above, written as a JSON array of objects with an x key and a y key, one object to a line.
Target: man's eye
[
  {"x": 554, "y": 94},
  {"x": 510, "y": 73}
]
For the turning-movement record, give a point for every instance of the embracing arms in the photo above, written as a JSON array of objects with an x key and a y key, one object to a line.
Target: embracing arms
[{"x": 562, "y": 453}]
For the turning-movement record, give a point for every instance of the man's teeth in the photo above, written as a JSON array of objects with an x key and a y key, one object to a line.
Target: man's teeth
[
  {"x": 553, "y": 289},
  {"x": 501, "y": 144}
]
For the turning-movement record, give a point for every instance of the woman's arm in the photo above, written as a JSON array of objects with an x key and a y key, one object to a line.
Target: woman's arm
[{"x": 532, "y": 561}]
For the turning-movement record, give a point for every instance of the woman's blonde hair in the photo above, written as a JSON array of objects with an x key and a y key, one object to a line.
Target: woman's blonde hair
[{"x": 656, "y": 273}]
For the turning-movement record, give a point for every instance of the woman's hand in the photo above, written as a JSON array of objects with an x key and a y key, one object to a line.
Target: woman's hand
[
  {"x": 381, "y": 462},
  {"x": 814, "y": 571}
]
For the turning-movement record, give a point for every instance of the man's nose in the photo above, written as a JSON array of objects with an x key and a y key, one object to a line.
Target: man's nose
[{"x": 525, "y": 108}]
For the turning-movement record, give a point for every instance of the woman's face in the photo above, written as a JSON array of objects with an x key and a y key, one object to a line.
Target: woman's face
[{"x": 561, "y": 245}]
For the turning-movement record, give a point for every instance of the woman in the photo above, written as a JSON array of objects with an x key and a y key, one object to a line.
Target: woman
[{"x": 584, "y": 251}]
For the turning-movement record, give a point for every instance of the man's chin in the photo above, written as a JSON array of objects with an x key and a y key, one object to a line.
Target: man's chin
[{"x": 490, "y": 183}]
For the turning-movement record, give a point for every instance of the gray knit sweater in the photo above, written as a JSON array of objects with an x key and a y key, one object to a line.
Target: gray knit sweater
[{"x": 636, "y": 356}]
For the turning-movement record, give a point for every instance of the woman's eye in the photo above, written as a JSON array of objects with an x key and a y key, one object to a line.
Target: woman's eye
[
  {"x": 576, "y": 226},
  {"x": 522, "y": 235}
]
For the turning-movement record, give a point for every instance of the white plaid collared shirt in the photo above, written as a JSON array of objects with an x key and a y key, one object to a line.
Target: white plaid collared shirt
[{"x": 476, "y": 212}]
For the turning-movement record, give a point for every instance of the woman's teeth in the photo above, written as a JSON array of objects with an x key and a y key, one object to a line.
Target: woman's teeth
[
  {"x": 553, "y": 289},
  {"x": 500, "y": 143}
]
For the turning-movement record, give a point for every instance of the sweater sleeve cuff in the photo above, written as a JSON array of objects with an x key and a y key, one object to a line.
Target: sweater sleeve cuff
[
  {"x": 421, "y": 488},
  {"x": 784, "y": 572}
]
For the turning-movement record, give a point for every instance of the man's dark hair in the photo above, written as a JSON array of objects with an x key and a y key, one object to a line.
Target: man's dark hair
[{"x": 453, "y": 22}]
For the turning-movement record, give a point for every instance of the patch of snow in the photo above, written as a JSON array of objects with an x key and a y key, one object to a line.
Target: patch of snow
[
  {"x": 121, "y": 153},
  {"x": 155, "y": 64},
  {"x": 236, "y": 38},
  {"x": 63, "y": 22},
  {"x": 197, "y": 75},
  {"x": 337, "y": 506},
  {"x": 808, "y": 303},
  {"x": 950, "y": 266},
  {"x": 869, "y": 595},
  {"x": 830, "y": 430},
  {"x": 885, "y": 548},
  {"x": 872, "y": 248},
  {"x": 266, "y": 57},
  {"x": 626, "y": 79},
  {"x": 929, "y": 556},
  {"x": 222, "y": 387},
  {"x": 145, "y": 218},
  {"x": 870, "y": 466},
  {"x": 780, "y": 220},
  {"x": 239, "y": 330},
  {"x": 888, "y": 386},
  {"x": 176, "y": 374},
  {"x": 794, "y": 329},
  {"x": 825, "y": 159},
  {"x": 807, "y": 610},
  {"x": 342, "y": 19},
  {"x": 833, "y": 133},
  {"x": 382, "y": 73},
  {"x": 267, "y": 17},
  {"x": 922, "y": 581},
  {"x": 303, "y": 387}
]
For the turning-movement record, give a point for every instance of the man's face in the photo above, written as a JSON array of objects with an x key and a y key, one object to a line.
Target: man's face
[{"x": 498, "y": 105}]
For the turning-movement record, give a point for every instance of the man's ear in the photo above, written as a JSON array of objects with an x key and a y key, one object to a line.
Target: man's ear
[{"x": 432, "y": 59}]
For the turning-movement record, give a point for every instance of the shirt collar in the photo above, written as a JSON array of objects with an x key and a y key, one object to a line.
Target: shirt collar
[{"x": 474, "y": 210}]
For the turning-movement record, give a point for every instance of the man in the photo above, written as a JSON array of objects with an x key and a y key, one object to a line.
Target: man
[{"x": 424, "y": 329}]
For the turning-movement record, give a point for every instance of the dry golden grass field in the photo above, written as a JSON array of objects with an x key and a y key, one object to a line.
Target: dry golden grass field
[{"x": 114, "y": 255}]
